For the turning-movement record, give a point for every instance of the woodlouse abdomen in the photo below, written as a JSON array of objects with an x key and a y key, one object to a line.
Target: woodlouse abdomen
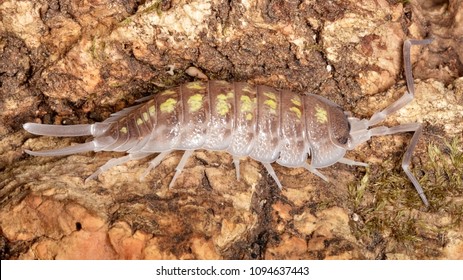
[{"x": 245, "y": 120}]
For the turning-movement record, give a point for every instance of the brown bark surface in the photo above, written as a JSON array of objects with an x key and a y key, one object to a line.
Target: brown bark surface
[{"x": 78, "y": 61}]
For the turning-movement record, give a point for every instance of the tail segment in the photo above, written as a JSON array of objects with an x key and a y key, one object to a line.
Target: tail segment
[
  {"x": 95, "y": 129},
  {"x": 59, "y": 130},
  {"x": 66, "y": 131},
  {"x": 80, "y": 148}
]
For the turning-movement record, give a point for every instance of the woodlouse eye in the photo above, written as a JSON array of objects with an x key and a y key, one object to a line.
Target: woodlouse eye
[
  {"x": 344, "y": 138},
  {"x": 339, "y": 126}
]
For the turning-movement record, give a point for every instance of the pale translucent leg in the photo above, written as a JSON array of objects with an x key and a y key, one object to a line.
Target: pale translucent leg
[
  {"x": 180, "y": 166},
  {"x": 352, "y": 162},
  {"x": 272, "y": 173},
  {"x": 116, "y": 161},
  {"x": 307, "y": 166},
  {"x": 236, "y": 162},
  {"x": 155, "y": 162},
  {"x": 418, "y": 129},
  {"x": 315, "y": 171}
]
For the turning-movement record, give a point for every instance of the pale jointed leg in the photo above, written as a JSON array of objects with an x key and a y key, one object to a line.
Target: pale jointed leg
[
  {"x": 116, "y": 161},
  {"x": 272, "y": 173},
  {"x": 352, "y": 162},
  {"x": 307, "y": 166},
  {"x": 315, "y": 171},
  {"x": 155, "y": 162},
  {"x": 180, "y": 166}
]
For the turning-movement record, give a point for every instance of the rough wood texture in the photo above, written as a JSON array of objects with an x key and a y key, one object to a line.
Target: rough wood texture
[{"x": 70, "y": 61}]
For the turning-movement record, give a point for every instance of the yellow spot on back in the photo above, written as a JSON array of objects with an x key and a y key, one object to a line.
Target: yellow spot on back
[
  {"x": 195, "y": 85},
  {"x": 272, "y": 104},
  {"x": 152, "y": 110},
  {"x": 168, "y": 106},
  {"x": 145, "y": 116},
  {"x": 296, "y": 111},
  {"x": 139, "y": 121},
  {"x": 230, "y": 94},
  {"x": 221, "y": 97},
  {"x": 223, "y": 107},
  {"x": 246, "y": 103},
  {"x": 296, "y": 101},
  {"x": 321, "y": 114},
  {"x": 195, "y": 102},
  {"x": 247, "y": 89},
  {"x": 123, "y": 129},
  {"x": 270, "y": 95},
  {"x": 168, "y": 92}
]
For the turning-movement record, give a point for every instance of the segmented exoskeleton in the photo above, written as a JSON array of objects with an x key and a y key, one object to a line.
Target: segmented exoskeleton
[{"x": 245, "y": 120}]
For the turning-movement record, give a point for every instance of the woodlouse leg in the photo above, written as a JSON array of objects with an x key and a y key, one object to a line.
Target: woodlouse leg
[
  {"x": 352, "y": 162},
  {"x": 315, "y": 171},
  {"x": 418, "y": 129},
  {"x": 155, "y": 162},
  {"x": 116, "y": 161},
  {"x": 180, "y": 166},
  {"x": 272, "y": 173}
]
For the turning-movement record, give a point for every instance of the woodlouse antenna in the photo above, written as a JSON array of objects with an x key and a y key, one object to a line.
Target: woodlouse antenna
[{"x": 360, "y": 131}]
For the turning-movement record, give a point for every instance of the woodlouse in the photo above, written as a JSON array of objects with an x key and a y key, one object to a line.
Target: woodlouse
[{"x": 258, "y": 121}]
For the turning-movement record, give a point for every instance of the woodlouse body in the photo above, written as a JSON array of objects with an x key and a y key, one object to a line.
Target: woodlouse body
[{"x": 245, "y": 120}]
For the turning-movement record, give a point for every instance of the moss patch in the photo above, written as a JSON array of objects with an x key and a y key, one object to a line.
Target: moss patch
[{"x": 387, "y": 208}]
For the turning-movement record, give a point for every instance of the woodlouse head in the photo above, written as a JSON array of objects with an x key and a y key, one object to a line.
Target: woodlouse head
[
  {"x": 330, "y": 119},
  {"x": 339, "y": 128},
  {"x": 328, "y": 128}
]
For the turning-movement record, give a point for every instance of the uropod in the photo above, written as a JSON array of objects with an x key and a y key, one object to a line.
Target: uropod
[{"x": 267, "y": 124}]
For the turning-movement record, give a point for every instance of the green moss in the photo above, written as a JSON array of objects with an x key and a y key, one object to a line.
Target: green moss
[
  {"x": 97, "y": 49},
  {"x": 155, "y": 6},
  {"x": 173, "y": 80},
  {"x": 314, "y": 47},
  {"x": 356, "y": 192},
  {"x": 443, "y": 178},
  {"x": 115, "y": 84},
  {"x": 389, "y": 208},
  {"x": 126, "y": 22}
]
